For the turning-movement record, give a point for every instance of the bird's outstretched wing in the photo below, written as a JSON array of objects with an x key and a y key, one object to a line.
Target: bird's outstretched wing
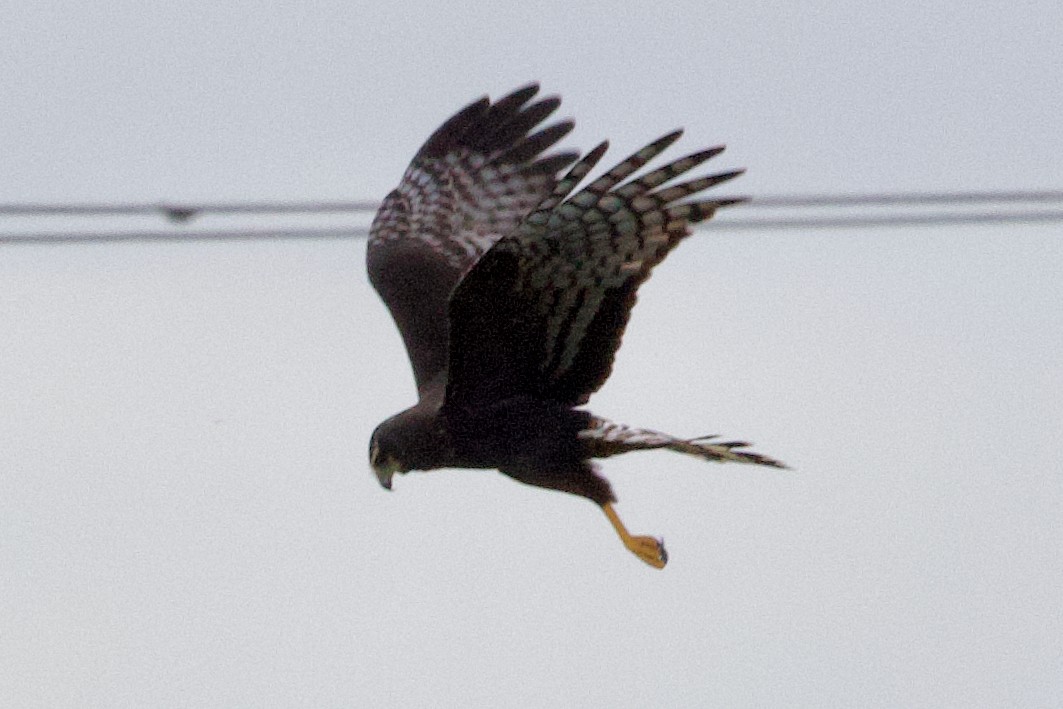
[
  {"x": 543, "y": 311},
  {"x": 472, "y": 182}
]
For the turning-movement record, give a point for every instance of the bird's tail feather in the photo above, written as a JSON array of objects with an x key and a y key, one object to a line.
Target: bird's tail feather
[{"x": 607, "y": 438}]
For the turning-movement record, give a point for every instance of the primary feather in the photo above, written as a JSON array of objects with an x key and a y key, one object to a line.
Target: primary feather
[{"x": 471, "y": 183}]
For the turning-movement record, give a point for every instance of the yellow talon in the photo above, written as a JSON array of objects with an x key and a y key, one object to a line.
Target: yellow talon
[{"x": 648, "y": 549}]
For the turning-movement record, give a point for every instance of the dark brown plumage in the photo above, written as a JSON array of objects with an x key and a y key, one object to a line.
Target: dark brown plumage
[{"x": 512, "y": 295}]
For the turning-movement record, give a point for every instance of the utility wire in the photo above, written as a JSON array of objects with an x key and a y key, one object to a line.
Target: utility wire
[
  {"x": 180, "y": 213},
  {"x": 183, "y": 212},
  {"x": 871, "y": 199},
  {"x": 175, "y": 236},
  {"x": 848, "y": 222}
]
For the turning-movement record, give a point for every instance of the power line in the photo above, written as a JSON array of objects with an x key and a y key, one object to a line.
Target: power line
[
  {"x": 870, "y": 199},
  {"x": 175, "y": 236},
  {"x": 182, "y": 212},
  {"x": 862, "y": 222},
  {"x": 847, "y": 222}
]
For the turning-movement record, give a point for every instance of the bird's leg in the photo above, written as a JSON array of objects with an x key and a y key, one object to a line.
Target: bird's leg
[{"x": 648, "y": 549}]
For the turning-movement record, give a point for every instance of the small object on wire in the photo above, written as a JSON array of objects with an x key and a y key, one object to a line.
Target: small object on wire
[{"x": 179, "y": 215}]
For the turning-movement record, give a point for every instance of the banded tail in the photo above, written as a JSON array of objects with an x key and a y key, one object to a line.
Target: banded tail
[{"x": 607, "y": 438}]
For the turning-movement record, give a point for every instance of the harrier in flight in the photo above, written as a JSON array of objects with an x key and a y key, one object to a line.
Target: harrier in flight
[{"x": 512, "y": 289}]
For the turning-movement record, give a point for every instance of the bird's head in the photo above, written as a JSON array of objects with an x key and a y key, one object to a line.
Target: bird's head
[
  {"x": 382, "y": 457},
  {"x": 410, "y": 440}
]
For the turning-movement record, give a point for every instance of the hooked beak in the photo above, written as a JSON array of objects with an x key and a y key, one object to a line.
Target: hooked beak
[{"x": 385, "y": 470}]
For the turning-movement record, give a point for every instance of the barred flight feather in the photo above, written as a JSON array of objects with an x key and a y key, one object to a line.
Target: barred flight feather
[
  {"x": 607, "y": 438},
  {"x": 471, "y": 183}
]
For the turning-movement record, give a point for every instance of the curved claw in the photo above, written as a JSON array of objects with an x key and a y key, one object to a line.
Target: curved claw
[{"x": 648, "y": 549}]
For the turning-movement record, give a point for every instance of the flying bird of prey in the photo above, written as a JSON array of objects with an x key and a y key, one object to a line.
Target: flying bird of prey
[{"x": 512, "y": 290}]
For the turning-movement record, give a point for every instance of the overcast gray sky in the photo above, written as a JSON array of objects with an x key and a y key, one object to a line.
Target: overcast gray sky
[{"x": 187, "y": 517}]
